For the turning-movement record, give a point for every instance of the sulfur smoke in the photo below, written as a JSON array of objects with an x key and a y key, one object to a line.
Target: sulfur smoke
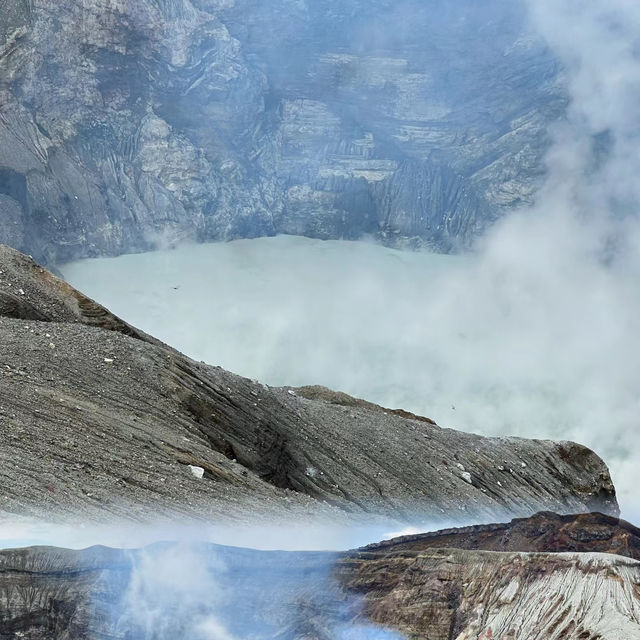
[
  {"x": 534, "y": 334},
  {"x": 205, "y": 592}
]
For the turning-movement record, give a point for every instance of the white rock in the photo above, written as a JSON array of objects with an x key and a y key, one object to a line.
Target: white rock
[
  {"x": 198, "y": 472},
  {"x": 466, "y": 476},
  {"x": 594, "y": 589}
]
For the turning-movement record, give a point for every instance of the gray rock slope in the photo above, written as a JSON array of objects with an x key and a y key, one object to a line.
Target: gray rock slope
[
  {"x": 439, "y": 594},
  {"x": 125, "y": 125},
  {"x": 98, "y": 419}
]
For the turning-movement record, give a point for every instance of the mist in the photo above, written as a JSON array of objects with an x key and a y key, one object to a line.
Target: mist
[
  {"x": 172, "y": 591},
  {"x": 207, "y": 592},
  {"x": 534, "y": 333},
  {"x": 286, "y": 535}
]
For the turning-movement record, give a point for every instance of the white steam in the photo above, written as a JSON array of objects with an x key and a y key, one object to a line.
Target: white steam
[
  {"x": 173, "y": 593},
  {"x": 537, "y": 334},
  {"x": 202, "y": 592}
]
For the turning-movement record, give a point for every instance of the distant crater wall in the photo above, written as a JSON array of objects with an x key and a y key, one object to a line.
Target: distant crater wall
[{"x": 136, "y": 125}]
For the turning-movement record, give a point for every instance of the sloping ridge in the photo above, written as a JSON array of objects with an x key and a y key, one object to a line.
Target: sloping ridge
[
  {"x": 101, "y": 419},
  {"x": 545, "y": 531}
]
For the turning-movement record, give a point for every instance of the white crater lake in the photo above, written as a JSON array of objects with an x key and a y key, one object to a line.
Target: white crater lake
[{"x": 451, "y": 338}]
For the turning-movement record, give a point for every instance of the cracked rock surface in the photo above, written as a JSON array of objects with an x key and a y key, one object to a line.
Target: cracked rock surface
[
  {"x": 128, "y": 125},
  {"x": 450, "y": 594}
]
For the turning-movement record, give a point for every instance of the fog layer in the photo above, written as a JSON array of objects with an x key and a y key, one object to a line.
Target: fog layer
[
  {"x": 463, "y": 340},
  {"x": 536, "y": 334}
]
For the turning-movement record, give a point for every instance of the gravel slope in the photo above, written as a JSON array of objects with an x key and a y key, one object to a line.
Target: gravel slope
[{"x": 99, "y": 420}]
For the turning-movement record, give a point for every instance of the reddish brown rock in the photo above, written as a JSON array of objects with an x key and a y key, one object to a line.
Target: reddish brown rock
[{"x": 543, "y": 532}]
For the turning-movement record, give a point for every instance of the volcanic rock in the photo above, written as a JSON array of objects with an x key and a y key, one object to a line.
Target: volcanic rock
[
  {"x": 429, "y": 594},
  {"x": 542, "y": 532},
  {"x": 119, "y": 437},
  {"x": 130, "y": 125}
]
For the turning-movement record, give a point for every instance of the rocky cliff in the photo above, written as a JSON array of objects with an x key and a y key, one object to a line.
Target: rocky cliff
[
  {"x": 448, "y": 594},
  {"x": 207, "y": 591},
  {"x": 100, "y": 419},
  {"x": 128, "y": 125},
  {"x": 585, "y": 533}
]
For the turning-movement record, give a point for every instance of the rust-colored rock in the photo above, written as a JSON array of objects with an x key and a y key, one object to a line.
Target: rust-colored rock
[{"x": 544, "y": 532}]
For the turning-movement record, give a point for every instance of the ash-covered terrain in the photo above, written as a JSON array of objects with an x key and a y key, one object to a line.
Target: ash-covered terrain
[
  {"x": 125, "y": 126},
  {"x": 390, "y": 592},
  {"x": 100, "y": 420}
]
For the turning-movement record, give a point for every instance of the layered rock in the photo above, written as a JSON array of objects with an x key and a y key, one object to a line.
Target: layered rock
[
  {"x": 125, "y": 126},
  {"x": 444, "y": 594},
  {"x": 584, "y": 533},
  {"x": 99, "y": 418},
  {"x": 169, "y": 590}
]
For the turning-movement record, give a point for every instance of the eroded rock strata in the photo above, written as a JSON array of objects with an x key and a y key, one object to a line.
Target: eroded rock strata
[
  {"x": 428, "y": 594},
  {"x": 98, "y": 418},
  {"x": 449, "y": 594},
  {"x": 128, "y": 125},
  {"x": 584, "y": 533}
]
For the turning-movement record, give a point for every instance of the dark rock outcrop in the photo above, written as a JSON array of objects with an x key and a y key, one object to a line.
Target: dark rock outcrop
[
  {"x": 125, "y": 126},
  {"x": 98, "y": 418}
]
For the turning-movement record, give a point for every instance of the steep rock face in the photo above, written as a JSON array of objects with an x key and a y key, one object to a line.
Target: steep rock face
[
  {"x": 445, "y": 594},
  {"x": 48, "y": 593},
  {"x": 85, "y": 154},
  {"x": 99, "y": 418},
  {"x": 585, "y": 533},
  {"x": 128, "y": 125},
  {"x": 167, "y": 591}
]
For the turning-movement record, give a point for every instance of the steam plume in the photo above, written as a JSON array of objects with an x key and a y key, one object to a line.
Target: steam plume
[{"x": 536, "y": 334}]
